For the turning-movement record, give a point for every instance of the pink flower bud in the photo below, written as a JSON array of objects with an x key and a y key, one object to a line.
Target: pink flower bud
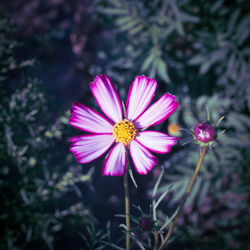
[{"x": 204, "y": 132}]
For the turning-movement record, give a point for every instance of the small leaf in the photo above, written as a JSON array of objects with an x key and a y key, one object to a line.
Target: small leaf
[
  {"x": 161, "y": 198},
  {"x": 153, "y": 54},
  {"x": 196, "y": 188},
  {"x": 152, "y": 70},
  {"x": 116, "y": 3},
  {"x": 132, "y": 177},
  {"x": 198, "y": 59},
  {"x": 188, "y": 18},
  {"x": 22, "y": 150},
  {"x": 123, "y": 20},
  {"x": 158, "y": 182},
  {"x": 162, "y": 70},
  {"x": 130, "y": 25},
  {"x": 165, "y": 33},
  {"x": 219, "y": 121},
  {"x": 169, "y": 220},
  {"x": 242, "y": 30},
  {"x": 208, "y": 114},
  {"x": 112, "y": 245},
  {"x": 232, "y": 21},
  {"x": 205, "y": 67},
  {"x": 181, "y": 186},
  {"x": 136, "y": 30},
  {"x": 216, "y": 6},
  {"x": 203, "y": 191},
  {"x": 112, "y": 11},
  {"x": 179, "y": 28}
]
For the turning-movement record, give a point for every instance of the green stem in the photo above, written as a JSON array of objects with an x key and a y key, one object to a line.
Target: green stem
[
  {"x": 127, "y": 212},
  {"x": 189, "y": 188},
  {"x": 156, "y": 235}
]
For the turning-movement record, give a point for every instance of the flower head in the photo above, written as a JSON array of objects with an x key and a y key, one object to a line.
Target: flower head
[
  {"x": 146, "y": 224},
  {"x": 204, "y": 132},
  {"x": 128, "y": 132}
]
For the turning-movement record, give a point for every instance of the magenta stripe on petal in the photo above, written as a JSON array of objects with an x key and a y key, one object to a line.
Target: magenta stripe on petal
[
  {"x": 140, "y": 95},
  {"x": 142, "y": 158},
  {"x": 158, "y": 112},
  {"x": 89, "y": 120},
  {"x": 87, "y": 148},
  {"x": 115, "y": 163},
  {"x": 107, "y": 97},
  {"x": 156, "y": 141}
]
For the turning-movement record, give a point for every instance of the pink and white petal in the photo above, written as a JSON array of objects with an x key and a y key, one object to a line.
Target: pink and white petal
[
  {"x": 142, "y": 158},
  {"x": 140, "y": 95},
  {"x": 107, "y": 97},
  {"x": 87, "y": 148},
  {"x": 156, "y": 141},
  {"x": 158, "y": 112},
  {"x": 115, "y": 163},
  {"x": 89, "y": 120}
]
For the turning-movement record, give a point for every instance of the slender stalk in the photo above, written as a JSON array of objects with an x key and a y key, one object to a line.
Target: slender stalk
[
  {"x": 156, "y": 239},
  {"x": 189, "y": 188},
  {"x": 155, "y": 231},
  {"x": 127, "y": 212}
]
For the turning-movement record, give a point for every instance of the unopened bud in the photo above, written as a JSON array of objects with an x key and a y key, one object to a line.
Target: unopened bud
[
  {"x": 146, "y": 224},
  {"x": 204, "y": 132}
]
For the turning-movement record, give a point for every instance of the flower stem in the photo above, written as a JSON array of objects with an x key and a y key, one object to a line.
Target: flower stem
[
  {"x": 155, "y": 231},
  {"x": 189, "y": 188},
  {"x": 127, "y": 212},
  {"x": 156, "y": 239}
]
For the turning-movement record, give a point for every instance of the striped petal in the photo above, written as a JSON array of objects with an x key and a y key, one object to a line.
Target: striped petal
[
  {"x": 158, "y": 112},
  {"x": 107, "y": 97},
  {"x": 156, "y": 141},
  {"x": 87, "y": 148},
  {"x": 140, "y": 95},
  {"x": 89, "y": 120},
  {"x": 142, "y": 158},
  {"x": 115, "y": 163}
]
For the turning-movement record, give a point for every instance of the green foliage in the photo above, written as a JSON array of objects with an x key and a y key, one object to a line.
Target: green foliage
[
  {"x": 225, "y": 47},
  {"x": 144, "y": 31},
  {"x": 95, "y": 239},
  {"x": 195, "y": 50},
  {"x": 8, "y": 62},
  {"x": 227, "y": 158},
  {"x": 200, "y": 50},
  {"x": 34, "y": 178}
]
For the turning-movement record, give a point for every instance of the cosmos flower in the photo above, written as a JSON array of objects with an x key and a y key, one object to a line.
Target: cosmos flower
[{"x": 128, "y": 132}]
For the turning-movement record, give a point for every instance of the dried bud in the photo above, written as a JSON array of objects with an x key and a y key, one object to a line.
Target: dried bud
[
  {"x": 146, "y": 224},
  {"x": 204, "y": 132},
  {"x": 174, "y": 129}
]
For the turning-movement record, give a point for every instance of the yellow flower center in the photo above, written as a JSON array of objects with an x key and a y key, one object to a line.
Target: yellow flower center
[{"x": 124, "y": 131}]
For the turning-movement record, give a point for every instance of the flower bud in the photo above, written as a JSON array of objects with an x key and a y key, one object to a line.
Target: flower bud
[
  {"x": 204, "y": 132},
  {"x": 174, "y": 129},
  {"x": 146, "y": 224}
]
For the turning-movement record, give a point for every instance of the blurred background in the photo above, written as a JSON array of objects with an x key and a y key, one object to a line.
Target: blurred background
[{"x": 50, "y": 51}]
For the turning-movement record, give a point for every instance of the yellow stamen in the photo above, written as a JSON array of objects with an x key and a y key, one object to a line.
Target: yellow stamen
[{"x": 124, "y": 131}]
